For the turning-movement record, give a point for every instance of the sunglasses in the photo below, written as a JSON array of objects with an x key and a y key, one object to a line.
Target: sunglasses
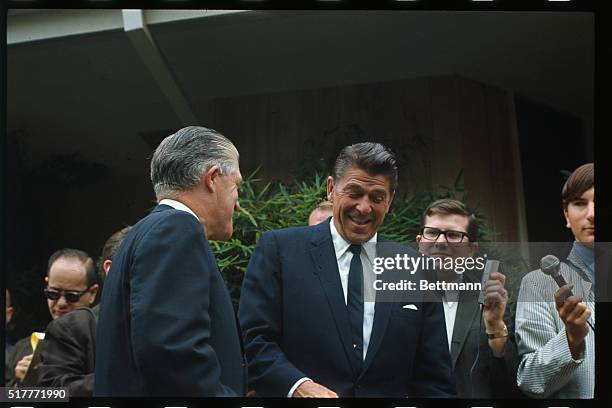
[{"x": 71, "y": 296}]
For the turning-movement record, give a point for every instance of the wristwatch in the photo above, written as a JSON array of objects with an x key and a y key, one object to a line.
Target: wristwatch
[{"x": 503, "y": 332}]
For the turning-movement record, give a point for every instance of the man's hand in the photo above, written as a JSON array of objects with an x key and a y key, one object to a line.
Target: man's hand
[
  {"x": 22, "y": 367},
  {"x": 574, "y": 314},
  {"x": 496, "y": 299},
  {"x": 310, "y": 389}
]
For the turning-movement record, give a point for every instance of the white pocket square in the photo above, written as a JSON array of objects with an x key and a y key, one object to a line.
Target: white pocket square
[{"x": 413, "y": 307}]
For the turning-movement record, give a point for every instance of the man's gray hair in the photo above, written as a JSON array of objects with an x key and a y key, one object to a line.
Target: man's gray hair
[{"x": 180, "y": 159}]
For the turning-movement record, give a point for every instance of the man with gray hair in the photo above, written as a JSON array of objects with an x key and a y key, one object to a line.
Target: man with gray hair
[{"x": 167, "y": 326}]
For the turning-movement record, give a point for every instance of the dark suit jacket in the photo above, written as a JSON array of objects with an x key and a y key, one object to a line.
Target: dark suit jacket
[
  {"x": 296, "y": 325},
  {"x": 68, "y": 357},
  {"x": 167, "y": 326},
  {"x": 22, "y": 348},
  {"x": 492, "y": 377}
]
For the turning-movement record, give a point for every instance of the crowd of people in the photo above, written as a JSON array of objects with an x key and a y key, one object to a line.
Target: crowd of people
[{"x": 166, "y": 326}]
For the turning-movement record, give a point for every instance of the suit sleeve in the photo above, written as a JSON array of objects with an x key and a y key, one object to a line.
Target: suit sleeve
[
  {"x": 65, "y": 353},
  {"x": 260, "y": 312},
  {"x": 432, "y": 368},
  {"x": 170, "y": 280},
  {"x": 546, "y": 365},
  {"x": 503, "y": 369},
  {"x": 21, "y": 349}
]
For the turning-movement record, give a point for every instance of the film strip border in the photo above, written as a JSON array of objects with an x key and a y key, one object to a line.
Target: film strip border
[
  {"x": 310, "y": 403},
  {"x": 502, "y": 5}
]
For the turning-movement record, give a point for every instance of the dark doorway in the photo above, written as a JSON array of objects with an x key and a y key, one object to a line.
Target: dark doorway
[{"x": 552, "y": 143}]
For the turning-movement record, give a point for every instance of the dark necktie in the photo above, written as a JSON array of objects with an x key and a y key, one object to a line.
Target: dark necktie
[{"x": 354, "y": 303}]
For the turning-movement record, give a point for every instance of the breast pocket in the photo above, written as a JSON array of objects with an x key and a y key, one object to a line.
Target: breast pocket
[{"x": 405, "y": 311}]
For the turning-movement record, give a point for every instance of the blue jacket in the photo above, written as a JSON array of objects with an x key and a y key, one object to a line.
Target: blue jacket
[
  {"x": 166, "y": 325},
  {"x": 296, "y": 325}
]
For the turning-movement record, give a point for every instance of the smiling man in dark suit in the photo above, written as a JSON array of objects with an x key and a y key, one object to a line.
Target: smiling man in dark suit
[
  {"x": 309, "y": 332},
  {"x": 166, "y": 325}
]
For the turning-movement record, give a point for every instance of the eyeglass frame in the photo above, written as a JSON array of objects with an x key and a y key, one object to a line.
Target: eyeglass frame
[
  {"x": 444, "y": 232},
  {"x": 63, "y": 293}
]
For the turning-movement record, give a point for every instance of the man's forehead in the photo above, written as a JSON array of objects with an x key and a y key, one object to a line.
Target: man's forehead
[
  {"x": 67, "y": 271},
  {"x": 450, "y": 221},
  {"x": 359, "y": 178},
  {"x": 236, "y": 175}
]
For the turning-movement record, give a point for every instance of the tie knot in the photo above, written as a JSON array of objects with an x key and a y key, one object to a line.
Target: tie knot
[{"x": 355, "y": 249}]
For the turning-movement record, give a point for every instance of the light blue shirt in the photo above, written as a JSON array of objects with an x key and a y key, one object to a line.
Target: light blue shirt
[{"x": 586, "y": 255}]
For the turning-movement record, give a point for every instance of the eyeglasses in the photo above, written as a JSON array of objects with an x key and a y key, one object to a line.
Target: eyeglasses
[
  {"x": 71, "y": 296},
  {"x": 432, "y": 234}
]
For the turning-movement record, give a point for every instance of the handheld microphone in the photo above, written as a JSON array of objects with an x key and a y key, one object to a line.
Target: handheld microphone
[
  {"x": 550, "y": 265},
  {"x": 491, "y": 266}
]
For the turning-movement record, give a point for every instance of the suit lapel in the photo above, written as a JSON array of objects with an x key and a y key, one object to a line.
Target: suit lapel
[
  {"x": 467, "y": 311},
  {"x": 326, "y": 267},
  {"x": 382, "y": 311}
]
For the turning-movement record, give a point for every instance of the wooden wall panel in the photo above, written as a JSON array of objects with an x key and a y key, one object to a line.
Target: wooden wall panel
[{"x": 438, "y": 127}]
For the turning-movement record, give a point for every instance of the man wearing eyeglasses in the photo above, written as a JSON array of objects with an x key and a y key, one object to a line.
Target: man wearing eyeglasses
[
  {"x": 483, "y": 353},
  {"x": 68, "y": 357},
  {"x": 71, "y": 283}
]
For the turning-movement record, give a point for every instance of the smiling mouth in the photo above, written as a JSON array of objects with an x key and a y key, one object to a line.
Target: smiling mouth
[{"x": 360, "y": 222}]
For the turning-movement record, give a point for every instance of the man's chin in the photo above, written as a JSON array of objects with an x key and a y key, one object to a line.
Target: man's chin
[{"x": 359, "y": 238}]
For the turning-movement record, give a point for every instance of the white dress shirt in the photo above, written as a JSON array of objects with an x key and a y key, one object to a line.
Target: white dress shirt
[
  {"x": 343, "y": 259},
  {"x": 178, "y": 206},
  {"x": 450, "y": 313}
]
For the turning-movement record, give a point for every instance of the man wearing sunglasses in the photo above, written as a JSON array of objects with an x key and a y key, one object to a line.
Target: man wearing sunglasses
[
  {"x": 71, "y": 283},
  {"x": 483, "y": 353},
  {"x": 68, "y": 357}
]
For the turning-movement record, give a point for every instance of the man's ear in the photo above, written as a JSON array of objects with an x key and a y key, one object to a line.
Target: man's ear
[
  {"x": 330, "y": 188},
  {"x": 94, "y": 292},
  {"x": 567, "y": 223},
  {"x": 106, "y": 266},
  {"x": 210, "y": 178},
  {"x": 418, "y": 239},
  {"x": 47, "y": 280}
]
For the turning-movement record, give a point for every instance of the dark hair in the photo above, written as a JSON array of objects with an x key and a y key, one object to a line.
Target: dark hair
[
  {"x": 449, "y": 206},
  {"x": 91, "y": 276},
  {"x": 112, "y": 243},
  {"x": 373, "y": 158},
  {"x": 582, "y": 179}
]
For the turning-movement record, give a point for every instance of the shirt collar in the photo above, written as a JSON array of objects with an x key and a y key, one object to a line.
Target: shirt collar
[
  {"x": 585, "y": 253},
  {"x": 177, "y": 205},
  {"x": 341, "y": 246}
]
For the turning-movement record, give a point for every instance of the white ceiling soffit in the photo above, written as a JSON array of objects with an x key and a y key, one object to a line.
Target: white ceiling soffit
[{"x": 36, "y": 25}]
